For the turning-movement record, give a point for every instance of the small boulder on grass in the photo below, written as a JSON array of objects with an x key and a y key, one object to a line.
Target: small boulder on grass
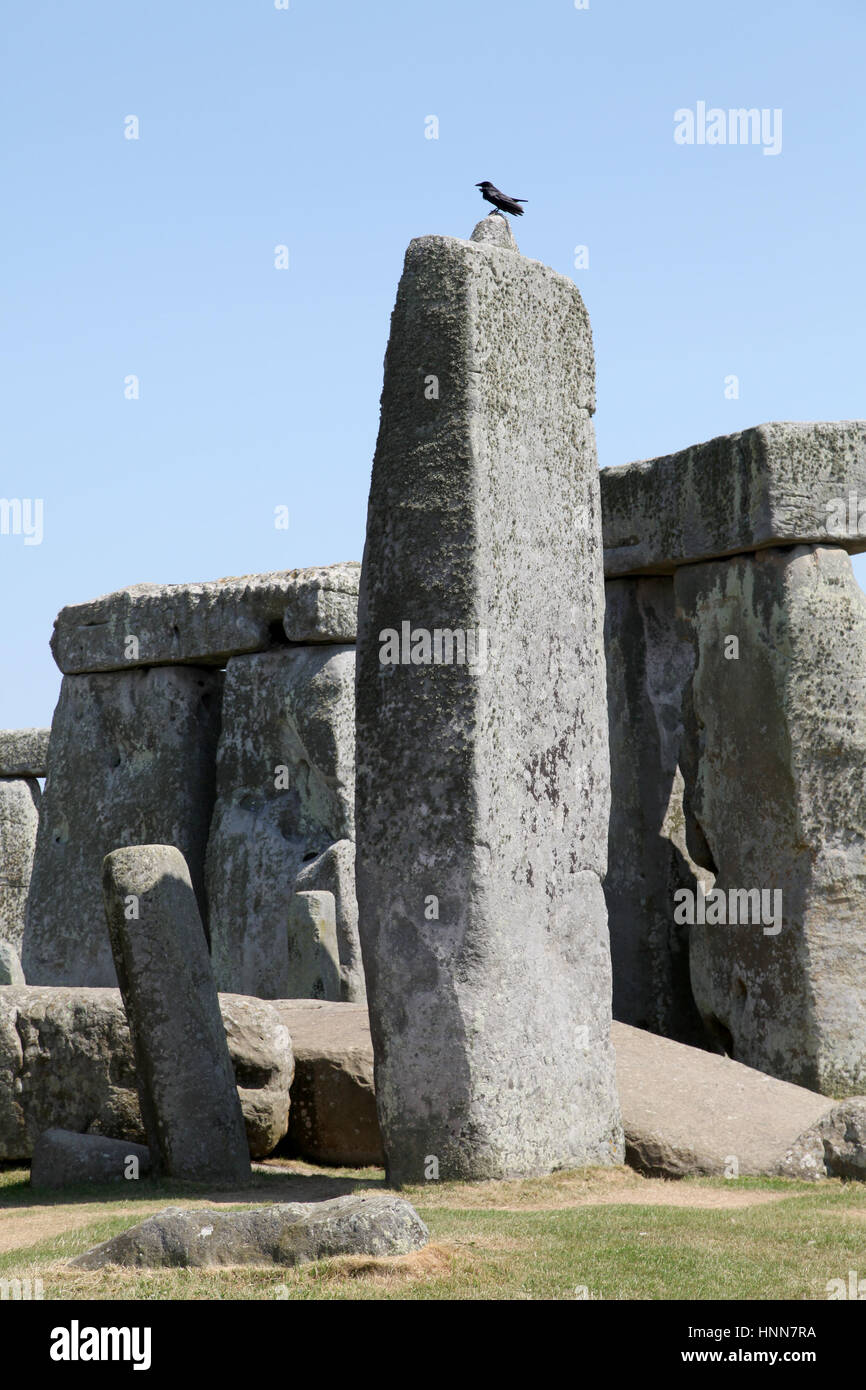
[{"x": 288, "y": 1234}]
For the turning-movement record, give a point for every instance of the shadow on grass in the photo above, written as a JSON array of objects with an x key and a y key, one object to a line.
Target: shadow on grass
[{"x": 267, "y": 1185}]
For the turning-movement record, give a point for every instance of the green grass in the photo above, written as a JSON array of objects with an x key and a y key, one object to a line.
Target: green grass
[{"x": 598, "y": 1230}]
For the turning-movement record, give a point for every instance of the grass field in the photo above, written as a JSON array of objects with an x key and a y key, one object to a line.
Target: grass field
[{"x": 598, "y": 1233}]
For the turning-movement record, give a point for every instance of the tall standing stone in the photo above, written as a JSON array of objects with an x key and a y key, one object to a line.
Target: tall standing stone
[
  {"x": 774, "y": 758},
  {"x": 482, "y": 786},
  {"x": 649, "y": 664},
  {"x": 19, "y": 821},
  {"x": 189, "y": 1102},
  {"x": 314, "y": 958},
  {"x": 131, "y": 761},
  {"x": 703, "y": 518},
  {"x": 334, "y": 872},
  {"x": 22, "y": 760},
  {"x": 10, "y": 965},
  {"x": 285, "y": 795}
]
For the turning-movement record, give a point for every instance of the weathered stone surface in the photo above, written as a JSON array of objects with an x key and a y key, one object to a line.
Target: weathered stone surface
[
  {"x": 23, "y": 752},
  {"x": 62, "y": 1158},
  {"x": 648, "y": 665},
  {"x": 843, "y": 1135},
  {"x": 495, "y": 230},
  {"x": 289, "y": 1234},
  {"x": 834, "y": 1146},
  {"x": 10, "y": 966},
  {"x": 771, "y": 485},
  {"x": 333, "y": 1117},
  {"x": 334, "y": 872},
  {"x": 131, "y": 761},
  {"x": 203, "y": 624},
  {"x": 314, "y": 960},
  {"x": 285, "y": 768},
  {"x": 66, "y": 1062},
  {"x": 322, "y": 604},
  {"x": 260, "y": 1048},
  {"x": 687, "y": 1112},
  {"x": 186, "y": 1088},
  {"x": 773, "y": 760},
  {"x": 482, "y": 785},
  {"x": 20, "y": 798}
]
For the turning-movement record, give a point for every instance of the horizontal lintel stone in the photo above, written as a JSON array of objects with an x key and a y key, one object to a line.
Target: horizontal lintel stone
[
  {"x": 206, "y": 624},
  {"x": 23, "y": 752},
  {"x": 776, "y": 484}
]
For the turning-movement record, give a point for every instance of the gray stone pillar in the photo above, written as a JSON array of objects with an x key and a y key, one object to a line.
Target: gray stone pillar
[
  {"x": 23, "y": 754},
  {"x": 775, "y": 763},
  {"x": 131, "y": 761},
  {"x": 285, "y": 795},
  {"x": 19, "y": 821},
  {"x": 482, "y": 760},
  {"x": 314, "y": 957},
  {"x": 189, "y": 1102},
  {"x": 334, "y": 872},
  {"x": 648, "y": 666},
  {"x": 771, "y": 750}
]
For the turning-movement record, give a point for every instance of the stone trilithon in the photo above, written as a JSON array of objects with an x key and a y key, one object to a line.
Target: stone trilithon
[{"x": 482, "y": 781}]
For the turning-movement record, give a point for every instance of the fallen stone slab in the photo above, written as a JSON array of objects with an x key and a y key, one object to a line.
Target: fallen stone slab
[
  {"x": 20, "y": 799},
  {"x": 66, "y": 1062},
  {"x": 292, "y": 1233},
  {"x": 186, "y": 1087},
  {"x": 482, "y": 786},
  {"x": 686, "y": 1111},
  {"x": 131, "y": 761},
  {"x": 284, "y": 794},
  {"x": 691, "y": 1113},
  {"x": 204, "y": 624},
  {"x": 333, "y": 1116},
  {"x": 62, "y": 1158},
  {"x": 776, "y": 484},
  {"x": 24, "y": 752}
]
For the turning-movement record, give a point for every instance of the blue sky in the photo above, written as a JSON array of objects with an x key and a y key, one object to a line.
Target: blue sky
[{"x": 305, "y": 127}]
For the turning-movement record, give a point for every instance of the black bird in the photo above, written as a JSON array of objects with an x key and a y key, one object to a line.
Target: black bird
[{"x": 501, "y": 201}]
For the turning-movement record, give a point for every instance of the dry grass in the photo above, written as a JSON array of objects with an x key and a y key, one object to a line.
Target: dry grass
[{"x": 611, "y": 1231}]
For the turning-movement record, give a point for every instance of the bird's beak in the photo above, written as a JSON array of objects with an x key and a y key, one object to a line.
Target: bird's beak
[{"x": 478, "y": 185}]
